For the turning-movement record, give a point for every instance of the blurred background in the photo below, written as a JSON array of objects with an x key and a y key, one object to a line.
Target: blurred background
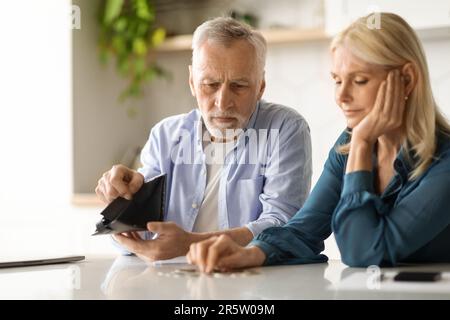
[{"x": 83, "y": 82}]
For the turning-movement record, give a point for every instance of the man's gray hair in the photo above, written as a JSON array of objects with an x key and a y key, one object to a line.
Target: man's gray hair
[{"x": 225, "y": 31}]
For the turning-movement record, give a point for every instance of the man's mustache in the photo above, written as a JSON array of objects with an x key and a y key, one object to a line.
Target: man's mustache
[{"x": 224, "y": 115}]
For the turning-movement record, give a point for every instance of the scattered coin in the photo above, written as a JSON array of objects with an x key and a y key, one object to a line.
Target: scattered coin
[{"x": 194, "y": 272}]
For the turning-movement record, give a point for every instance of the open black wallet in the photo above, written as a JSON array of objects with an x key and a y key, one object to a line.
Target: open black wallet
[{"x": 124, "y": 215}]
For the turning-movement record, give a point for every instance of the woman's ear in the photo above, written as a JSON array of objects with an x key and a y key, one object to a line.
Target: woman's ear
[{"x": 410, "y": 75}]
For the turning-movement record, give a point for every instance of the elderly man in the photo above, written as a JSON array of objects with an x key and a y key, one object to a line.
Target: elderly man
[{"x": 236, "y": 165}]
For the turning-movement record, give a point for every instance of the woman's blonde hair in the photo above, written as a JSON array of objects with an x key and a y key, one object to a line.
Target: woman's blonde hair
[{"x": 392, "y": 45}]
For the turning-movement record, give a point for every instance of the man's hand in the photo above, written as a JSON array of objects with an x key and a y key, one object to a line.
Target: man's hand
[
  {"x": 120, "y": 181},
  {"x": 223, "y": 254},
  {"x": 172, "y": 241}
]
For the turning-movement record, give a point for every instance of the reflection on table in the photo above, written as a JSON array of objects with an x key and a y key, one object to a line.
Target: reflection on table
[{"x": 128, "y": 277}]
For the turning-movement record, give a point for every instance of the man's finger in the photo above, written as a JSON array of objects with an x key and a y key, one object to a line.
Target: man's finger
[
  {"x": 119, "y": 178},
  {"x": 157, "y": 227},
  {"x": 136, "y": 236},
  {"x": 111, "y": 192},
  {"x": 136, "y": 182},
  {"x": 106, "y": 194},
  {"x": 130, "y": 244},
  {"x": 99, "y": 190}
]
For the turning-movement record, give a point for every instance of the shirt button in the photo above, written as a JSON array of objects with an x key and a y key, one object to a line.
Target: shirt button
[{"x": 194, "y": 205}]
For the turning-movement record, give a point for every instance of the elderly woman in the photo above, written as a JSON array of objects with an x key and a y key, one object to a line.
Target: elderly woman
[{"x": 385, "y": 187}]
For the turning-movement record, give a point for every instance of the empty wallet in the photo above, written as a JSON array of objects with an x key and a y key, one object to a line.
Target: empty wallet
[{"x": 124, "y": 215}]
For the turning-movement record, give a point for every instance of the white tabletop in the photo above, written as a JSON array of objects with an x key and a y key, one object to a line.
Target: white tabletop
[{"x": 130, "y": 278}]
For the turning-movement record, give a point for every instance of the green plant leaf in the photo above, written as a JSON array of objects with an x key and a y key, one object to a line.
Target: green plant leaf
[
  {"x": 118, "y": 44},
  {"x": 149, "y": 74},
  {"x": 139, "y": 46},
  {"x": 134, "y": 90},
  {"x": 124, "y": 66},
  {"x": 158, "y": 36},
  {"x": 132, "y": 29},
  {"x": 143, "y": 11},
  {"x": 139, "y": 66},
  {"x": 142, "y": 29},
  {"x": 112, "y": 10},
  {"x": 120, "y": 25},
  {"x": 127, "y": 32}
]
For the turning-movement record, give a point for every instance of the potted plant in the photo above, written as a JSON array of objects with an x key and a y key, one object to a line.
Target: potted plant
[{"x": 128, "y": 33}]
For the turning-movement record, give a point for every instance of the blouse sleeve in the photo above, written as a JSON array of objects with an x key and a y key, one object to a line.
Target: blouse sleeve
[{"x": 301, "y": 240}]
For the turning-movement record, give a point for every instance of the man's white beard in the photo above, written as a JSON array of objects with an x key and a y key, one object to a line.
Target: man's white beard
[{"x": 223, "y": 135}]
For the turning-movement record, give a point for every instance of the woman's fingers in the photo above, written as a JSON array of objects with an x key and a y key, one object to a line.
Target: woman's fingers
[
  {"x": 401, "y": 99},
  {"x": 222, "y": 253},
  {"x": 216, "y": 250},
  {"x": 380, "y": 99},
  {"x": 208, "y": 254},
  {"x": 189, "y": 256},
  {"x": 387, "y": 113},
  {"x": 389, "y": 96},
  {"x": 395, "y": 99},
  {"x": 395, "y": 91},
  {"x": 398, "y": 101},
  {"x": 198, "y": 251}
]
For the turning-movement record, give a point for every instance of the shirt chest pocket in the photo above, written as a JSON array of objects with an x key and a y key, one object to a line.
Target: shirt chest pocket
[{"x": 247, "y": 197}]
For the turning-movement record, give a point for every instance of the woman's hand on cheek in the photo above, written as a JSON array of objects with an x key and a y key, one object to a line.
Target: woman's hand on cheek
[{"x": 387, "y": 112}]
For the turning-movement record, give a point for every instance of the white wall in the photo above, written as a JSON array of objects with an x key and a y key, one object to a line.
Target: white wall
[
  {"x": 36, "y": 133},
  {"x": 419, "y": 13}
]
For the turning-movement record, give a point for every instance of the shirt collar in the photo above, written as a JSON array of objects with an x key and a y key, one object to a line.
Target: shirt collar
[{"x": 251, "y": 122}]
